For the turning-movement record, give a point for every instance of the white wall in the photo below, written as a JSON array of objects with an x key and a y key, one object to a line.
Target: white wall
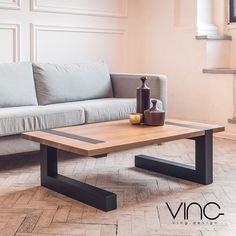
[
  {"x": 64, "y": 31},
  {"x": 164, "y": 32}
]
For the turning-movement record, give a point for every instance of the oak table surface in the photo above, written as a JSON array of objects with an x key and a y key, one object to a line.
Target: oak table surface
[{"x": 106, "y": 137}]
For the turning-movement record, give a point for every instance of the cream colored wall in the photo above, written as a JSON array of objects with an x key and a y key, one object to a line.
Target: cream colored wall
[
  {"x": 64, "y": 31},
  {"x": 158, "y": 36},
  {"x": 231, "y": 30},
  {"x": 165, "y": 31}
]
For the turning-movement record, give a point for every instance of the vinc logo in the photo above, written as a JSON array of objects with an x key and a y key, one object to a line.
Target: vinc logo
[{"x": 185, "y": 208}]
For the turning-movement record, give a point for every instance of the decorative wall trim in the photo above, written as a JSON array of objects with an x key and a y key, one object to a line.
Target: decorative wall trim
[
  {"x": 36, "y": 6},
  {"x": 13, "y": 5},
  {"x": 37, "y": 28},
  {"x": 16, "y": 39}
]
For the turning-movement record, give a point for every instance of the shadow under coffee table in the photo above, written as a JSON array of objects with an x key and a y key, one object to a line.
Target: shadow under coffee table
[{"x": 96, "y": 140}]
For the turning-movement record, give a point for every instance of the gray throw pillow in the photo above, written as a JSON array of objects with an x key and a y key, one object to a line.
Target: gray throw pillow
[
  {"x": 17, "y": 85},
  {"x": 57, "y": 83}
]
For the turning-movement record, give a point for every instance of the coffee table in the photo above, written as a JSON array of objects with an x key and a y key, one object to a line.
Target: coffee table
[{"x": 96, "y": 140}]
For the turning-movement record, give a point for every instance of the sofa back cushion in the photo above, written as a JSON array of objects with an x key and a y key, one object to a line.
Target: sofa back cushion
[
  {"x": 17, "y": 85},
  {"x": 71, "y": 82}
]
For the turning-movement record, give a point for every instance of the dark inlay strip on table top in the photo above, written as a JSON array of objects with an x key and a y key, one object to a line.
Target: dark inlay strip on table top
[
  {"x": 73, "y": 136},
  {"x": 189, "y": 126}
]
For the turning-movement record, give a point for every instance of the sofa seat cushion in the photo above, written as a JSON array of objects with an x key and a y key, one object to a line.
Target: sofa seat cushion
[
  {"x": 108, "y": 109},
  {"x": 29, "y": 118},
  {"x": 17, "y": 85},
  {"x": 71, "y": 82}
]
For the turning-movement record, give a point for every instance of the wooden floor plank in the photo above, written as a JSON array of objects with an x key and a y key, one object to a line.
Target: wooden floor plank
[{"x": 27, "y": 209}]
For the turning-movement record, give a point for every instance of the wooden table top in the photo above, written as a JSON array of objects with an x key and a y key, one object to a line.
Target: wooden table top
[{"x": 101, "y": 138}]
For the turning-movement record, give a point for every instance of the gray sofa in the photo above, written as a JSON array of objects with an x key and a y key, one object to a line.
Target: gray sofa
[{"x": 46, "y": 96}]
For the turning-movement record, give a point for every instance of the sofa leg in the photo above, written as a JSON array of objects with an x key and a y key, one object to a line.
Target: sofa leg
[{"x": 100, "y": 156}]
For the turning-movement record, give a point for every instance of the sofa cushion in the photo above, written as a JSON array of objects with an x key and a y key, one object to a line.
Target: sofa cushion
[
  {"x": 17, "y": 85},
  {"x": 71, "y": 82},
  {"x": 15, "y": 144},
  {"x": 108, "y": 109},
  {"x": 30, "y": 118}
]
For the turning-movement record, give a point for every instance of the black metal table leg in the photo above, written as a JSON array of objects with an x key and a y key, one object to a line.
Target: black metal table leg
[
  {"x": 82, "y": 192},
  {"x": 204, "y": 157},
  {"x": 202, "y": 172}
]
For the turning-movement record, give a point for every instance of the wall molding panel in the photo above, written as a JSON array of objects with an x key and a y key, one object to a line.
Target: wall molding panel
[
  {"x": 16, "y": 39},
  {"x": 11, "y": 4},
  {"x": 64, "y": 31},
  {"x": 37, "y": 5},
  {"x": 35, "y": 29}
]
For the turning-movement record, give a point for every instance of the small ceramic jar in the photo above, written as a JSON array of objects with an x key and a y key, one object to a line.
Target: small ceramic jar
[{"x": 154, "y": 116}]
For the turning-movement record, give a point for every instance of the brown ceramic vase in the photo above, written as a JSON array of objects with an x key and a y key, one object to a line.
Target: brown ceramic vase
[
  {"x": 154, "y": 116},
  {"x": 143, "y": 97}
]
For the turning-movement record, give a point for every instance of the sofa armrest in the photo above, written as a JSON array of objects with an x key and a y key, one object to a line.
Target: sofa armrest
[{"x": 124, "y": 86}]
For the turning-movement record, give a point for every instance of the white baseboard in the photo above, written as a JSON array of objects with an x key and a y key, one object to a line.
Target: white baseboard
[
  {"x": 226, "y": 135},
  {"x": 229, "y": 133}
]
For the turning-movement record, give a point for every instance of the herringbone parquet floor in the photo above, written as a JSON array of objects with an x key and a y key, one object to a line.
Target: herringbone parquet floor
[{"x": 26, "y": 209}]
